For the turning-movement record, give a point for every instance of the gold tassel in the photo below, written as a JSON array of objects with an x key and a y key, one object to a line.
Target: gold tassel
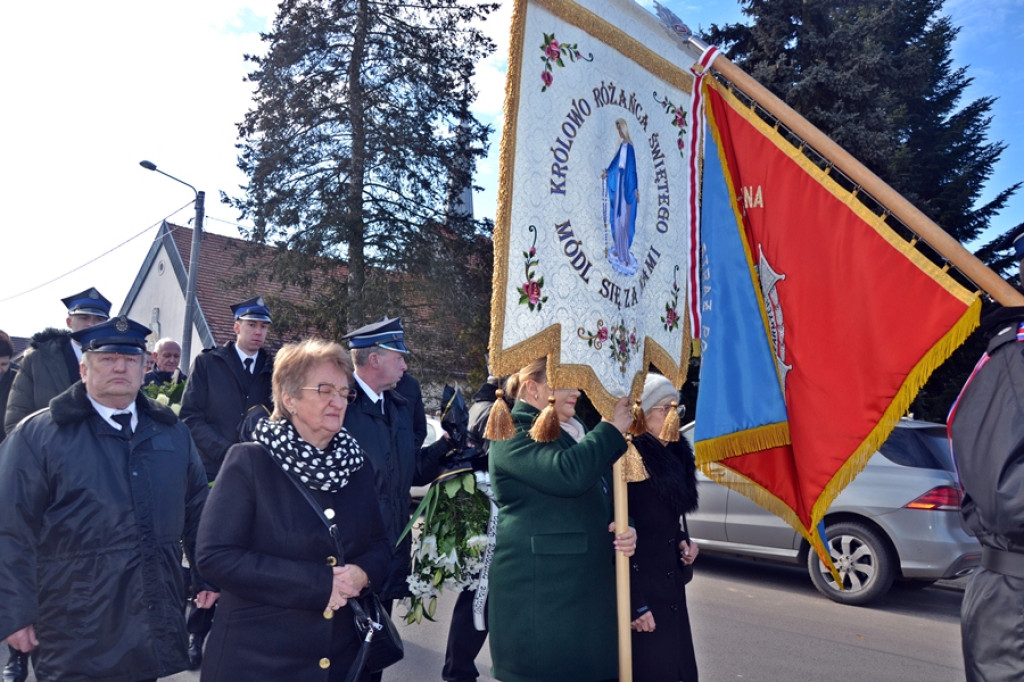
[
  {"x": 545, "y": 427},
  {"x": 633, "y": 469},
  {"x": 499, "y": 421},
  {"x": 639, "y": 425},
  {"x": 670, "y": 428}
]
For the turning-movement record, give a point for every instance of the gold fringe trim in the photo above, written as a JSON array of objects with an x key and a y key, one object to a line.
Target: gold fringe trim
[
  {"x": 742, "y": 442},
  {"x": 638, "y": 426},
  {"x": 670, "y": 427},
  {"x": 499, "y": 421},
  {"x": 545, "y": 427},
  {"x": 633, "y": 469}
]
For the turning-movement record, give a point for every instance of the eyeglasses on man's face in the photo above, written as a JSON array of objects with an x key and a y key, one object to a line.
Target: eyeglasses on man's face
[{"x": 327, "y": 391}]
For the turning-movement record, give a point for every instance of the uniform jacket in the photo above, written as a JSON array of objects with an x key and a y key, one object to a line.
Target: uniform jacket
[
  {"x": 398, "y": 464},
  {"x": 47, "y": 369},
  {"x": 91, "y": 529},
  {"x": 986, "y": 429},
  {"x": 263, "y": 544},
  {"x": 6, "y": 381},
  {"x": 656, "y": 583},
  {"x": 217, "y": 395},
  {"x": 551, "y": 606}
]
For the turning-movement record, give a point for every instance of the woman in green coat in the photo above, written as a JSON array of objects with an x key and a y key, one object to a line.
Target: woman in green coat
[{"x": 552, "y": 579}]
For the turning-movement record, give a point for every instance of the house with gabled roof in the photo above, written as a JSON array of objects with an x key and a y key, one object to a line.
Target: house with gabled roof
[{"x": 229, "y": 272}]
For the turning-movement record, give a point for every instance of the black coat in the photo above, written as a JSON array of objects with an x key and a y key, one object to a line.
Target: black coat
[
  {"x": 986, "y": 428},
  {"x": 91, "y": 531},
  {"x": 266, "y": 548},
  {"x": 655, "y": 507},
  {"x": 217, "y": 395},
  {"x": 47, "y": 370},
  {"x": 398, "y": 464}
]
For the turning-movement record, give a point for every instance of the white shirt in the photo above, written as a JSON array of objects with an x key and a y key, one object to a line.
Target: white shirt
[
  {"x": 108, "y": 413},
  {"x": 371, "y": 394},
  {"x": 242, "y": 356}
]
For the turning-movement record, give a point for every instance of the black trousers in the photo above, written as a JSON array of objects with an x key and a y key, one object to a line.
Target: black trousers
[{"x": 464, "y": 641}]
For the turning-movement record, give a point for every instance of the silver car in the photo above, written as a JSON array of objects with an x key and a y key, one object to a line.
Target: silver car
[{"x": 898, "y": 519}]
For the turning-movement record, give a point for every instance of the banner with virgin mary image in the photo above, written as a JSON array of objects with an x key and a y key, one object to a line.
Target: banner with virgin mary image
[{"x": 592, "y": 246}]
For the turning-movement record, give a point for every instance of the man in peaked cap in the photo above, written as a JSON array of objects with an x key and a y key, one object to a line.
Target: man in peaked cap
[
  {"x": 381, "y": 419},
  {"x": 224, "y": 385},
  {"x": 97, "y": 494},
  {"x": 51, "y": 363}
]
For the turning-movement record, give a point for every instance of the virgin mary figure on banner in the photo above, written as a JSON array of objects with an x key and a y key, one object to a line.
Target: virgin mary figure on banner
[{"x": 621, "y": 198}]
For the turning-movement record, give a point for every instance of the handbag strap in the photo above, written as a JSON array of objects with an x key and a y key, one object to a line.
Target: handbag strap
[{"x": 332, "y": 528}]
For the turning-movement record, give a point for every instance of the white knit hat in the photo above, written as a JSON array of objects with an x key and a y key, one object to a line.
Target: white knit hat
[{"x": 656, "y": 389}]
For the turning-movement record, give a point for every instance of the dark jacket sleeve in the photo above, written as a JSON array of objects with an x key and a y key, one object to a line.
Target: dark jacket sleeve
[
  {"x": 198, "y": 491},
  {"x": 24, "y": 495},
  {"x": 20, "y": 403},
  {"x": 195, "y": 410}
]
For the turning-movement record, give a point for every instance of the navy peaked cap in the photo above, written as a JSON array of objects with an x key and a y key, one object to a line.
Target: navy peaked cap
[
  {"x": 119, "y": 335},
  {"x": 88, "y": 302},
  {"x": 386, "y": 333},
  {"x": 253, "y": 309}
]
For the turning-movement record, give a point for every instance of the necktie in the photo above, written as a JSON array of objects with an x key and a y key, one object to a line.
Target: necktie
[
  {"x": 248, "y": 365},
  {"x": 125, "y": 420}
]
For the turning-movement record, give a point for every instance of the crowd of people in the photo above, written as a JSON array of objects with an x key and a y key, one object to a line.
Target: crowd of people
[{"x": 286, "y": 485}]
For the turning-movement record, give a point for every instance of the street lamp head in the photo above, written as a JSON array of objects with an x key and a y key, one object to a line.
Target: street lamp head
[{"x": 148, "y": 165}]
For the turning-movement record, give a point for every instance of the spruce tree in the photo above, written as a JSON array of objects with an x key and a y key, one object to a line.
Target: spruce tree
[{"x": 358, "y": 138}]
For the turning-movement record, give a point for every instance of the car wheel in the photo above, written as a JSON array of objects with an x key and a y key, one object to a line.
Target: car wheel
[{"x": 862, "y": 558}]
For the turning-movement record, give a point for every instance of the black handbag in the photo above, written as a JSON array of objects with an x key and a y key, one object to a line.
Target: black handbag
[
  {"x": 686, "y": 570},
  {"x": 382, "y": 645}
]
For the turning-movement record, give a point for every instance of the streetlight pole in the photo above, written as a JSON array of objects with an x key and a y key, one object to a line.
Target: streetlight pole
[{"x": 193, "y": 266}]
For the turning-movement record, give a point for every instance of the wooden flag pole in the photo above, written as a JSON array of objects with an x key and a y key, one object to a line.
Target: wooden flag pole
[
  {"x": 622, "y": 601},
  {"x": 950, "y": 249}
]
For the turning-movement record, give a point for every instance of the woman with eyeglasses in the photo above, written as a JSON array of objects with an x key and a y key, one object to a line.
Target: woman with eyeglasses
[
  {"x": 551, "y": 608},
  {"x": 285, "y": 585},
  {"x": 662, "y": 641}
]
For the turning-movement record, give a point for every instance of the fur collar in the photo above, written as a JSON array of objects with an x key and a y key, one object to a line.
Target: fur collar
[
  {"x": 48, "y": 334},
  {"x": 73, "y": 406}
]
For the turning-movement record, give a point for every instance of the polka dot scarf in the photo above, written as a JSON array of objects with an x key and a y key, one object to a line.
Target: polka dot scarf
[{"x": 327, "y": 470}]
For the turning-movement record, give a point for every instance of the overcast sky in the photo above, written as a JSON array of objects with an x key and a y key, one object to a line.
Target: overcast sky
[{"x": 91, "y": 89}]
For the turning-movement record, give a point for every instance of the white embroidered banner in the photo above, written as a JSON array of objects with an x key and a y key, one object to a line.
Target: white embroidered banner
[{"x": 594, "y": 204}]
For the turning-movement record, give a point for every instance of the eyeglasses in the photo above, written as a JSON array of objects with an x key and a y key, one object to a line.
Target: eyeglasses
[{"x": 327, "y": 391}]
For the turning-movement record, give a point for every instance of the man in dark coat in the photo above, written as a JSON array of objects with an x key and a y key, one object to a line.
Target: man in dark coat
[
  {"x": 51, "y": 363},
  {"x": 49, "y": 367},
  {"x": 381, "y": 420},
  {"x": 986, "y": 429},
  {"x": 224, "y": 384},
  {"x": 97, "y": 495},
  {"x": 166, "y": 356}
]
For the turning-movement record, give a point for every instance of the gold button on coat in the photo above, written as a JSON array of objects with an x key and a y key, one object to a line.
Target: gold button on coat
[
  {"x": 325, "y": 663},
  {"x": 328, "y": 613},
  {"x": 332, "y": 561}
]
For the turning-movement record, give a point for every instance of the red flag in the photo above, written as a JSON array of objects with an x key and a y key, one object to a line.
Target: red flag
[{"x": 858, "y": 318}]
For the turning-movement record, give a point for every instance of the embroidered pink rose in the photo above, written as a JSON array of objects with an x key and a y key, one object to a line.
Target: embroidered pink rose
[
  {"x": 553, "y": 50},
  {"x": 602, "y": 334},
  {"x": 532, "y": 290},
  {"x": 547, "y": 78}
]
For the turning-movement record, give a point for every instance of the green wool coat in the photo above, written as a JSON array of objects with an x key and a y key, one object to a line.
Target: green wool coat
[{"x": 551, "y": 606}]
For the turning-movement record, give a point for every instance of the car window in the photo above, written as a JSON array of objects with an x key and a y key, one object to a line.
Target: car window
[{"x": 925, "y": 448}]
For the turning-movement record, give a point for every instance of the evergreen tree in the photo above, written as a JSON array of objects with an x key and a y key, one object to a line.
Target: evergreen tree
[
  {"x": 876, "y": 76},
  {"x": 358, "y": 138}
]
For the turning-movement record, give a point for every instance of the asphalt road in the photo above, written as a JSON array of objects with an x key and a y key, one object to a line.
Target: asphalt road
[{"x": 760, "y": 622}]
